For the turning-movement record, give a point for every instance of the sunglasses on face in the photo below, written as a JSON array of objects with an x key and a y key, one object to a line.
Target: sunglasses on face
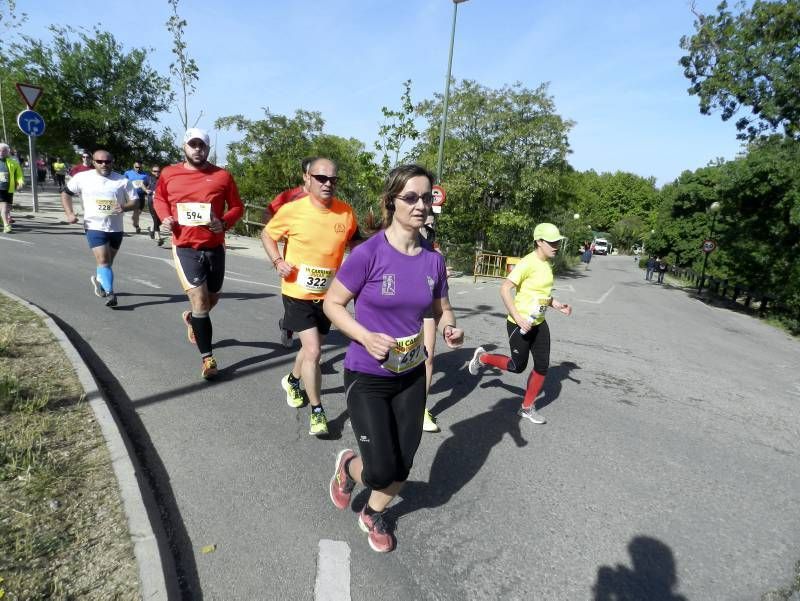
[
  {"x": 555, "y": 245},
  {"x": 103, "y": 161},
  {"x": 412, "y": 198},
  {"x": 324, "y": 179},
  {"x": 195, "y": 144}
]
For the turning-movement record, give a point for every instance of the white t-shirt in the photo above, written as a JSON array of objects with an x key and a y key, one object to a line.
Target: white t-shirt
[{"x": 100, "y": 195}]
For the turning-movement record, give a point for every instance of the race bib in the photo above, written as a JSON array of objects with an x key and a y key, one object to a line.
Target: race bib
[
  {"x": 194, "y": 213},
  {"x": 537, "y": 316},
  {"x": 3, "y": 176},
  {"x": 315, "y": 279},
  {"x": 407, "y": 354},
  {"x": 100, "y": 207}
]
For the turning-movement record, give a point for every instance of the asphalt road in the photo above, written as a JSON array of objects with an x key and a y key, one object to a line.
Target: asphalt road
[{"x": 668, "y": 465}]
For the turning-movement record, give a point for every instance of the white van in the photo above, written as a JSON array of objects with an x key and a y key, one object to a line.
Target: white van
[{"x": 601, "y": 246}]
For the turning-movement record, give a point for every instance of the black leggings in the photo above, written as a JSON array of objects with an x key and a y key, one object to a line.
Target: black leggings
[
  {"x": 386, "y": 415},
  {"x": 156, "y": 221},
  {"x": 535, "y": 342}
]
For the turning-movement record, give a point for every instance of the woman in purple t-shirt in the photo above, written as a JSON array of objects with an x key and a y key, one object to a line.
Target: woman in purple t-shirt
[{"x": 394, "y": 282}]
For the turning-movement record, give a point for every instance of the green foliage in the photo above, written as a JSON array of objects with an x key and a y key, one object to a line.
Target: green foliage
[
  {"x": 397, "y": 128},
  {"x": 184, "y": 69},
  {"x": 267, "y": 159},
  {"x": 748, "y": 61},
  {"x": 757, "y": 228},
  {"x": 96, "y": 95},
  {"x": 606, "y": 199},
  {"x": 504, "y": 150}
]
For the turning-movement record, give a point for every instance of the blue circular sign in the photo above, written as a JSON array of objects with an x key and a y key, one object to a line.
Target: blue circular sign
[{"x": 31, "y": 123}]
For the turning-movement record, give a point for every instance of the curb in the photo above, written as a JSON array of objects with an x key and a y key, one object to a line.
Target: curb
[{"x": 152, "y": 583}]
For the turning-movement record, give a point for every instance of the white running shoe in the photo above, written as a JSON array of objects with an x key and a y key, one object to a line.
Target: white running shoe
[{"x": 475, "y": 364}]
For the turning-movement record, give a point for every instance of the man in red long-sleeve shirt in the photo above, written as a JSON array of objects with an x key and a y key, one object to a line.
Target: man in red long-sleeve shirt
[{"x": 198, "y": 201}]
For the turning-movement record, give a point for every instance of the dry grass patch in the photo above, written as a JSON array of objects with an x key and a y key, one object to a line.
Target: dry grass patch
[{"x": 63, "y": 532}]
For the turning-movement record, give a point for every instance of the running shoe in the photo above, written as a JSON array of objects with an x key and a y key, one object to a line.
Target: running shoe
[
  {"x": 187, "y": 319},
  {"x": 286, "y": 335},
  {"x": 151, "y": 233},
  {"x": 342, "y": 485},
  {"x": 209, "y": 368},
  {"x": 378, "y": 535},
  {"x": 98, "y": 288},
  {"x": 429, "y": 422},
  {"x": 160, "y": 242},
  {"x": 531, "y": 415},
  {"x": 318, "y": 424},
  {"x": 7, "y": 229},
  {"x": 111, "y": 300},
  {"x": 294, "y": 396},
  {"x": 475, "y": 364}
]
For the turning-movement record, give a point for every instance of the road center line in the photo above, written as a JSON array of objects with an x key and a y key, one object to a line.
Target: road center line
[
  {"x": 333, "y": 571},
  {"x": 145, "y": 283},
  {"x": 7, "y": 239},
  {"x": 169, "y": 262},
  {"x": 251, "y": 282},
  {"x": 600, "y": 300}
]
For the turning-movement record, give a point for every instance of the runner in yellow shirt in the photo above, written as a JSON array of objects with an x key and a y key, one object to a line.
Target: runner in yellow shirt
[
  {"x": 318, "y": 229},
  {"x": 528, "y": 332}
]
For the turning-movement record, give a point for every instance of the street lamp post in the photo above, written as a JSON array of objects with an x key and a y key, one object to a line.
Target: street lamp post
[
  {"x": 440, "y": 157},
  {"x": 713, "y": 209}
]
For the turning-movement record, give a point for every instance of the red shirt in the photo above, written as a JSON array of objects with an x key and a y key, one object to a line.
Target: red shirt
[
  {"x": 286, "y": 196},
  {"x": 212, "y": 184},
  {"x": 78, "y": 168}
]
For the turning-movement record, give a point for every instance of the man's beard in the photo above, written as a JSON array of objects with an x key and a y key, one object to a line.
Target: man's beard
[{"x": 195, "y": 162}]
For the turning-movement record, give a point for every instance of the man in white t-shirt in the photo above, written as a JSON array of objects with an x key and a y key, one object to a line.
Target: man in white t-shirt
[{"x": 105, "y": 194}]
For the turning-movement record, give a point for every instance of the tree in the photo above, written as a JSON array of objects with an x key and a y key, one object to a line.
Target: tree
[
  {"x": 97, "y": 94},
  {"x": 184, "y": 69},
  {"x": 267, "y": 158},
  {"x": 398, "y": 127},
  {"x": 605, "y": 199},
  {"x": 504, "y": 158},
  {"x": 748, "y": 61}
]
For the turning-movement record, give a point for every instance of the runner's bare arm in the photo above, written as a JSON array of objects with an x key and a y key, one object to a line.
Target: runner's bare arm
[
  {"x": 66, "y": 202},
  {"x": 507, "y": 290},
  {"x": 446, "y": 322}
]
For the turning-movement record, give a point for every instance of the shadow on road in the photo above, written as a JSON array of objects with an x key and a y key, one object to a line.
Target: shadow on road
[
  {"x": 162, "y": 509},
  {"x": 460, "y": 457},
  {"x": 652, "y": 578}
]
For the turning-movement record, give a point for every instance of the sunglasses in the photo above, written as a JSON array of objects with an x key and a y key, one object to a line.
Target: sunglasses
[
  {"x": 412, "y": 198},
  {"x": 324, "y": 179},
  {"x": 196, "y": 144},
  {"x": 555, "y": 245},
  {"x": 103, "y": 162}
]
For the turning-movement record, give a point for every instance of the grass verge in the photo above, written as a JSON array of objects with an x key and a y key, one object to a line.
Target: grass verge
[{"x": 63, "y": 531}]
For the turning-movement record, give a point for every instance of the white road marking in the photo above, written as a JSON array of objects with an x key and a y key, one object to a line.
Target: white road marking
[
  {"x": 463, "y": 292},
  {"x": 169, "y": 262},
  {"x": 333, "y": 571},
  {"x": 145, "y": 283},
  {"x": 600, "y": 300},
  {"x": 7, "y": 239},
  {"x": 561, "y": 287},
  {"x": 252, "y": 282},
  {"x": 235, "y": 273}
]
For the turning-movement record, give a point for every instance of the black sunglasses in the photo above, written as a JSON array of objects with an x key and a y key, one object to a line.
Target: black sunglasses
[
  {"x": 196, "y": 144},
  {"x": 103, "y": 162},
  {"x": 324, "y": 179},
  {"x": 412, "y": 198}
]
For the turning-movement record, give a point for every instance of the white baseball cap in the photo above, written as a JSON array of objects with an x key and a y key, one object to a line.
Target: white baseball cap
[{"x": 195, "y": 133}]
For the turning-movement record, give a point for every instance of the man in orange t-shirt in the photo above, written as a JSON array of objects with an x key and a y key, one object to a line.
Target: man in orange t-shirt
[
  {"x": 318, "y": 229},
  {"x": 198, "y": 201}
]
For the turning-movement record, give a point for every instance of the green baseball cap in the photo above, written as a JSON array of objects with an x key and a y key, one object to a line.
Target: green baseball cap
[{"x": 548, "y": 232}]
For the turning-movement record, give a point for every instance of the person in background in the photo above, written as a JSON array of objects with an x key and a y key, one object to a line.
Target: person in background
[
  {"x": 86, "y": 165},
  {"x": 155, "y": 231},
  {"x": 650, "y": 267},
  {"x": 11, "y": 180},
  {"x": 662, "y": 267},
  {"x": 60, "y": 173},
  {"x": 141, "y": 183}
]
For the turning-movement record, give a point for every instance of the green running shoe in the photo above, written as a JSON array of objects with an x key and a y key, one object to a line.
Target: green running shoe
[
  {"x": 319, "y": 424},
  {"x": 294, "y": 396}
]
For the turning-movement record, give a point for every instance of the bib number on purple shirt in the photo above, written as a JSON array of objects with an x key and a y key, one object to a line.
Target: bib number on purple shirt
[{"x": 407, "y": 354}]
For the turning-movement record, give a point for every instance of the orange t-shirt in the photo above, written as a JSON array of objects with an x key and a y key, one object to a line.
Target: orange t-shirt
[{"x": 316, "y": 241}]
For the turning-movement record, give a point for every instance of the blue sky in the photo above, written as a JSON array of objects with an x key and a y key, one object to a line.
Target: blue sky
[{"x": 612, "y": 65}]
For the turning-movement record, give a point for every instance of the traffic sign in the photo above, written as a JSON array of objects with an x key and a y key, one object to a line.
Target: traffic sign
[
  {"x": 709, "y": 246},
  {"x": 30, "y": 94},
  {"x": 31, "y": 123},
  {"x": 439, "y": 196}
]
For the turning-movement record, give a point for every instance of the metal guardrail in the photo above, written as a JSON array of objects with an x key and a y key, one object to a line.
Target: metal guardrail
[{"x": 726, "y": 290}]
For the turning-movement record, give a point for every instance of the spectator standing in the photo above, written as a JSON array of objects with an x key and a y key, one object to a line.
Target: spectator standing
[
  {"x": 662, "y": 269},
  {"x": 11, "y": 179},
  {"x": 650, "y": 267},
  {"x": 59, "y": 173}
]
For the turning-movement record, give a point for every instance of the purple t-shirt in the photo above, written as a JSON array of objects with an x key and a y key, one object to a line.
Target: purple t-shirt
[{"x": 392, "y": 293}]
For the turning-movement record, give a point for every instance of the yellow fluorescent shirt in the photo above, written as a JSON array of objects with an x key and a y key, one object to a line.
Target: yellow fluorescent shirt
[{"x": 533, "y": 278}]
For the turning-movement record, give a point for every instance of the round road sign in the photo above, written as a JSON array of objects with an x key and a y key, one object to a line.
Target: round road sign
[
  {"x": 31, "y": 123},
  {"x": 439, "y": 196},
  {"x": 709, "y": 246}
]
